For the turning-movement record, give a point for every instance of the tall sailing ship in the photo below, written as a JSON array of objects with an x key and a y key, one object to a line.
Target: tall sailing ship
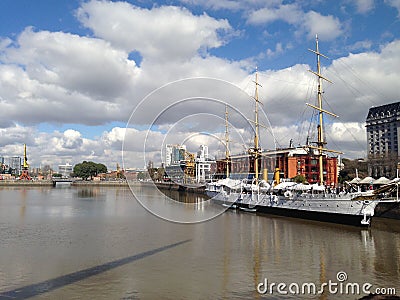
[{"x": 315, "y": 202}]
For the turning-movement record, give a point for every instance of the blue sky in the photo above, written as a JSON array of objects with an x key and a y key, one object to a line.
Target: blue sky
[
  {"x": 73, "y": 72},
  {"x": 376, "y": 23}
]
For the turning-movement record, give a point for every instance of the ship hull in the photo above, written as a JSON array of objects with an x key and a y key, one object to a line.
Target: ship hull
[
  {"x": 337, "y": 218},
  {"x": 339, "y": 210}
]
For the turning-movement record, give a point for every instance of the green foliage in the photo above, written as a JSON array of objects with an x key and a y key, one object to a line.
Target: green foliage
[
  {"x": 349, "y": 170},
  {"x": 299, "y": 179},
  {"x": 156, "y": 174},
  {"x": 57, "y": 175},
  {"x": 88, "y": 169},
  {"x": 141, "y": 176}
]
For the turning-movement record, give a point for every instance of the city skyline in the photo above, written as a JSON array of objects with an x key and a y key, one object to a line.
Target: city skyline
[{"x": 73, "y": 72}]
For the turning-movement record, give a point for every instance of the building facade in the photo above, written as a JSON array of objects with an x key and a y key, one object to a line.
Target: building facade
[
  {"x": 65, "y": 170},
  {"x": 290, "y": 162},
  {"x": 383, "y": 130},
  {"x": 174, "y": 154},
  {"x": 203, "y": 165},
  {"x": 15, "y": 165}
]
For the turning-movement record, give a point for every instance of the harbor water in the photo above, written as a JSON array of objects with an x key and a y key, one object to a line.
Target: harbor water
[{"x": 101, "y": 243}]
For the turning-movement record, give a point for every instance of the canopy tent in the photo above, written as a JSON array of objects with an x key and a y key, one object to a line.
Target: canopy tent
[
  {"x": 355, "y": 180},
  {"x": 367, "y": 180},
  {"x": 381, "y": 181}
]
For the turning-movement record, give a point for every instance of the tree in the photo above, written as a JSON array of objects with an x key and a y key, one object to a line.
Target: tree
[
  {"x": 101, "y": 168},
  {"x": 299, "y": 179},
  {"x": 141, "y": 176},
  {"x": 88, "y": 169},
  {"x": 350, "y": 167}
]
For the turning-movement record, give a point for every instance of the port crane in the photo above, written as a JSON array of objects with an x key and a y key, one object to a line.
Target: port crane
[{"x": 25, "y": 167}]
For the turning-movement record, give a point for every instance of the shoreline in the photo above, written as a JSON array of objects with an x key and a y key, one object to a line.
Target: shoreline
[
  {"x": 190, "y": 188},
  {"x": 6, "y": 183},
  {"x": 383, "y": 210}
]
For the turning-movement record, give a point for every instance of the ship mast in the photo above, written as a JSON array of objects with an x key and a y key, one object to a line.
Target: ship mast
[
  {"x": 321, "y": 141},
  {"x": 256, "y": 150},
  {"x": 227, "y": 152}
]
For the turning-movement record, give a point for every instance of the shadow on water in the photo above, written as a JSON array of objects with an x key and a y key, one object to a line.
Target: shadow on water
[{"x": 52, "y": 284}]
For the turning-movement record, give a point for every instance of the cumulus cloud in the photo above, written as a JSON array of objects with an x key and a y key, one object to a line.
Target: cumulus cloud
[
  {"x": 15, "y": 134},
  {"x": 77, "y": 64},
  {"x": 395, "y": 4},
  {"x": 51, "y": 74},
  {"x": 327, "y": 27},
  {"x": 309, "y": 23},
  {"x": 64, "y": 78},
  {"x": 71, "y": 139},
  {"x": 176, "y": 34},
  {"x": 290, "y": 13},
  {"x": 360, "y": 45},
  {"x": 364, "y": 6}
]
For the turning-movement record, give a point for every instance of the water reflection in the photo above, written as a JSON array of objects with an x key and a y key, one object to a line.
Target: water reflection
[
  {"x": 295, "y": 251},
  {"x": 46, "y": 234},
  {"x": 89, "y": 193},
  {"x": 177, "y": 206},
  {"x": 184, "y": 197}
]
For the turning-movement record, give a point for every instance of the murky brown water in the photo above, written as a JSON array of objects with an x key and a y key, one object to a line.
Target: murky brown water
[{"x": 47, "y": 235}]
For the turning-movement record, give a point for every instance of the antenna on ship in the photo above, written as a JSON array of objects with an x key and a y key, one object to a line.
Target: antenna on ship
[
  {"x": 321, "y": 141},
  {"x": 227, "y": 152}
]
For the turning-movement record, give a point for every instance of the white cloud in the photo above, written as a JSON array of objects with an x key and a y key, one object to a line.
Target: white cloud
[
  {"x": 15, "y": 134},
  {"x": 309, "y": 23},
  {"x": 233, "y": 5},
  {"x": 290, "y": 13},
  {"x": 360, "y": 45},
  {"x": 71, "y": 139},
  {"x": 163, "y": 33},
  {"x": 65, "y": 78},
  {"x": 364, "y": 6},
  {"x": 278, "y": 50},
  {"x": 395, "y": 4},
  {"x": 61, "y": 77},
  {"x": 327, "y": 27},
  {"x": 57, "y": 77},
  {"x": 77, "y": 64}
]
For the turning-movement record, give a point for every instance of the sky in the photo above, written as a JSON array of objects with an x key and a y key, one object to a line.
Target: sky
[{"x": 115, "y": 81}]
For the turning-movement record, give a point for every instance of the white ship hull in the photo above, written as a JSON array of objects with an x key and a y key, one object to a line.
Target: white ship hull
[{"x": 350, "y": 208}]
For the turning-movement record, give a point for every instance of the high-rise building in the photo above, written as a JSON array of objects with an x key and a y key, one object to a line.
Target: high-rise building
[
  {"x": 202, "y": 154},
  {"x": 203, "y": 165},
  {"x": 65, "y": 170},
  {"x": 383, "y": 130},
  {"x": 2, "y": 165},
  {"x": 15, "y": 165},
  {"x": 174, "y": 154}
]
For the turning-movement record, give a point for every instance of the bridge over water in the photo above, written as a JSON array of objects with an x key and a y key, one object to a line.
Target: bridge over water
[{"x": 62, "y": 180}]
